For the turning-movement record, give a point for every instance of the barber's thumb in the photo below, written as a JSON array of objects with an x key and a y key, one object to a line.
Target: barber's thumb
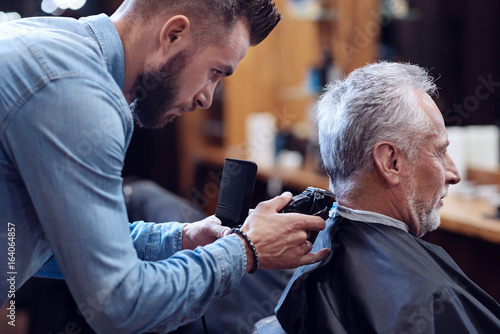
[
  {"x": 282, "y": 200},
  {"x": 220, "y": 231},
  {"x": 213, "y": 220}
]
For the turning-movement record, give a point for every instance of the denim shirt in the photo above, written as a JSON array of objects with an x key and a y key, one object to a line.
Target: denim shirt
[{"x": 64, "y": 130}]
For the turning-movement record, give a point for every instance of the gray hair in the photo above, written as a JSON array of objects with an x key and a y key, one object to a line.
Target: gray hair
[{"x": 375, "y": 103}]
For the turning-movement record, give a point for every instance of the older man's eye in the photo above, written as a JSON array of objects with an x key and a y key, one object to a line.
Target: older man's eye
[{"x": 216, "y": 74}]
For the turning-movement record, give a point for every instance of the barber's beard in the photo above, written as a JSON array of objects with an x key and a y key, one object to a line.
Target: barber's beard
[
  {"x": 154, "y": 92},
  {"x": 427, "y": 214}
]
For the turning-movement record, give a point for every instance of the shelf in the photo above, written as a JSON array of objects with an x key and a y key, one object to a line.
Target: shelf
[
  {"x": 323, "y": 15},
  {"x": 293, "y": 178},
  {"x": 472, "y": 218},
  {"x": 483, "y": 176}
]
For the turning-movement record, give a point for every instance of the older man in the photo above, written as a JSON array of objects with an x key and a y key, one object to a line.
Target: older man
[
  {"x": 383, "y": 143},
  {"x": 69, "y": 93}
]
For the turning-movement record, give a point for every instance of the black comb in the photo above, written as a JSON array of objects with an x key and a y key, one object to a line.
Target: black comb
[{"x": 235, "y": 193}]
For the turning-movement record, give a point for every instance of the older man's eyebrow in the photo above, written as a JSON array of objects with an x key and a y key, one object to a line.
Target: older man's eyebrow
[
  {"x": 227, "y": 70},
  {"x": 445, "y": 145}
]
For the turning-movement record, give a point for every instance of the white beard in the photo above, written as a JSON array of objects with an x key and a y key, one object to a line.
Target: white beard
[{"x": 427, "y": 215}]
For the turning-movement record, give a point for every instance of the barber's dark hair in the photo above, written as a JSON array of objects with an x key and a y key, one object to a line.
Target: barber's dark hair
[{"x": 211, "y": 18}]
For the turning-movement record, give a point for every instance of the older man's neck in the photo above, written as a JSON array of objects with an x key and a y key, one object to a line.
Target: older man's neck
[{"x": 380, "y": 201}]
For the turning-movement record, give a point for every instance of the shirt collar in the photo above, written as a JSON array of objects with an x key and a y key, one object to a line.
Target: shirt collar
[
  {"x": 106, "y": 35},
  {"x": 367, "y": 217}
]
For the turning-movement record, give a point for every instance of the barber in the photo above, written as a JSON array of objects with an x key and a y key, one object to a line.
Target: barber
[{"x": 70, "y": 91}]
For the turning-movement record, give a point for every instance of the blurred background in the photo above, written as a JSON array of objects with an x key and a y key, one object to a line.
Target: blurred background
[{"x": 265, "y": 113}]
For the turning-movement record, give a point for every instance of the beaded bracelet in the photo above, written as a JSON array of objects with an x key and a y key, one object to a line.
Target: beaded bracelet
[{"x": 252, "y": 248}]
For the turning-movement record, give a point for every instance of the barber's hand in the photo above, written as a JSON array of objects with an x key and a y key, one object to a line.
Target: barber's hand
[
  {"x": 281, "y": 238},
  {"x": 203, "y": 232}
]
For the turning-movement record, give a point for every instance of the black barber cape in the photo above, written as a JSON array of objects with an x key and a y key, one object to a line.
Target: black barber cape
[{"x": 381, "y": 279}]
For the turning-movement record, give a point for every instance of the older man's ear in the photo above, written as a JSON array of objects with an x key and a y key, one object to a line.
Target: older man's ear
[{"x": 387, "y": 159}]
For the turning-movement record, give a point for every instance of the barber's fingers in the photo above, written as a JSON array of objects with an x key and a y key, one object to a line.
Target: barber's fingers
[
  {"x": 219, "y": 231},
  {"x": 309, "y": 246},
  {"x": 275, "y": 204},
  {"x": 305, "y": 222},
  {"x": 311, "y": 258},
  {"x": 213, "y": 220},
  {"x": 215, "y": 227}
]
